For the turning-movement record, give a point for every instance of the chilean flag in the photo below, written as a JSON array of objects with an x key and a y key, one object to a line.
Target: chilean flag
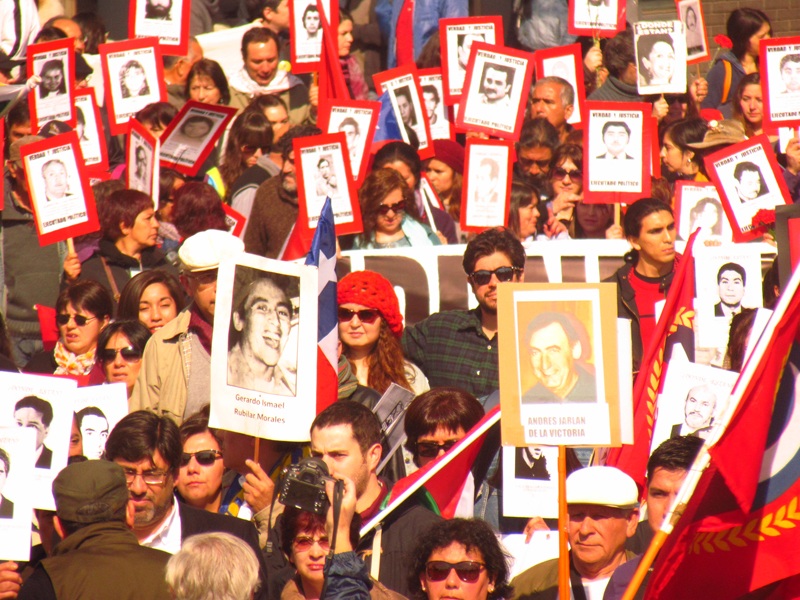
[{"x": 323, "y": 256}]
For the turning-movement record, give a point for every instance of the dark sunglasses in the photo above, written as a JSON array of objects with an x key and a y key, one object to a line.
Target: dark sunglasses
[
  {"x": 503, "y": 274},
  {"x": 129, "y": 354},
  {"x": 365, "y": 315},
  {"x": 560, "y": 173},
  {"x": 384, "y": 209},
  {"x": 528, "y": 162},
  {"x": 203, "y": 457},
  {"x": 431, "y": 449},
  {"x": 247, "y": 149},
  {"x": 80, "y": 320},
  {"x": 467, "y": 571}
]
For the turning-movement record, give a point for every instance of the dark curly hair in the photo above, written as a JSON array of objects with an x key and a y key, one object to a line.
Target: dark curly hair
[
  {"x": 376, "y": 187},
  {"x": 486, "y": 243},
  {"x": 476, "y": 536}
]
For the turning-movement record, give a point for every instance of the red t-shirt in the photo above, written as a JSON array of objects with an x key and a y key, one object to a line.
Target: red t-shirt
[{"x": 649, "y": 290}]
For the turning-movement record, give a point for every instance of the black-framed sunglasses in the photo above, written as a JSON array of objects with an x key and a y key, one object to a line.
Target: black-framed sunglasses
[
  {"x": 561, "y": 172},
  {"x": 250, "y": 149},
  {"x": 80, "y": 320},
  {"x": 431, "y": 449},
  {"x": 129, "y": 354},
  {"x": 397, "y": 207},
  {"x": 503, "y": 274},
  {"x": 468, "y": 571},
  {"x": 203, "y": 457},
  {"x": 365, "y": 315}
]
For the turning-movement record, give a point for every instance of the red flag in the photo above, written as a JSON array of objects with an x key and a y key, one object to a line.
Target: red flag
[
  {"x": 47, "y": 324},
  {"x": 675, "y": 326},
  {"x": 739, "y": 531},
  {"x": 443, "y": 479},
  {"x": 331, "y": 78},
  {"x": 297, "y": 244}
]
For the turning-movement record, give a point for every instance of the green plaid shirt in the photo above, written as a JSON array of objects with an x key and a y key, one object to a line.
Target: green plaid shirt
[{"x": 452, "y": 350}]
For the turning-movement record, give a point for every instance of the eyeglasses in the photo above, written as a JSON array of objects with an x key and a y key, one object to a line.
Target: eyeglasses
[
  {"x": 527, "y": 163},
  {"x": 149, "y": 477},
  {"x": 303, "y": 543},
  {"x": 247, "y": 149},
  {"x": 560, "y": 173},
  {"x": 80, "y": 320},
  {"x": 365, "y": 315},
  {"x": 384, "y": 209},
  {"x": 431, "y": 449},
  {"x": 203, "y": 457},
  {"x": 503, "y": 274},
  {"x": 468, "y": 571},
  {"x": 129, "y": 354}
]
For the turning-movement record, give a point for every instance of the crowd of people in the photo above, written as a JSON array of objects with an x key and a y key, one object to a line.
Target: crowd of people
[{"x": 135, "y": 303}]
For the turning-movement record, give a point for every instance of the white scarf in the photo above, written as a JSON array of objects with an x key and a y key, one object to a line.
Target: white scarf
[{"x": 242, "y": 82}]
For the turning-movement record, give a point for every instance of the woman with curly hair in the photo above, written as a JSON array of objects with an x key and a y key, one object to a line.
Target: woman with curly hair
[
  {"x": 461, "y": 557},
  {"x": 250, "y": 138},
  {"x": 390, "y": 214},
  {"x": 370, "y": 326},
  {"x": 197, "y": 208}
]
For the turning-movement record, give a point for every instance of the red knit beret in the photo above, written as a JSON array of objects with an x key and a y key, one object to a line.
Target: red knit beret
[
  {"x": 450, "y": 153},
  {"x": 372, "y": 290}
]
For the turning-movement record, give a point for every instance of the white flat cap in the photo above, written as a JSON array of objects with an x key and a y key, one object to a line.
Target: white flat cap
[
  {"x": 603, "y": 486},
  {"x": 205, "y": 250}
]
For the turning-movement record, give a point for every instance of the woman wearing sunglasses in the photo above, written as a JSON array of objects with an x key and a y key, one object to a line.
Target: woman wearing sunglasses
[
  {"x": 459, "y": 558},
  {"x": 390, "y": 214},
  {"x": 250, "y": 138},
  {"x": 83, "y": 310},
  {"x": 566, "y": 180},
  {"x": 199, "y": 482},
  {"x": 370, "y": 325},
  {"x": 120, "y": 348},
  {"x": 152, "y": 297}
]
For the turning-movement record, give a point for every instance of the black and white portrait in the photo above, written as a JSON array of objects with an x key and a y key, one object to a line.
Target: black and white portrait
[
  {"x": 323, "y": 174},
  {"x": 37, "y": 414},
  {"x": 614, "y": 159},
  {"x": 133, "y": 79},
  {"x": 356, "y": 122},
  {"x": 781, "y": 83},
  {"x": 593, "y": 16},
  {"x": 406, "y": 97},
  {"x": 140, "y": 160},
  {"x": 94, "y": 427},
  {"x": 17, "y": 490},
  {"x": 698, "y": 207},
  {"x": 457, "y": 37},
  {"x": 54, "y": 79},
  {"x": 616, "y": 137},
  {"x": 53, "y": 63},
  {"x": 488, "y": 175},
  {"x": 405, "y": 106},
  {"x": 261, "y": 325},
  {"x": 163, "y": 19},
  {"x": 691, "y": 15},
  {"x": 307, "y": 32},
  {"x": 327, "y": 184},
  {"x": 6, "y": 505},
  {"x": 530, "y": 478},
  {"x": 435, "y": 108},
  {"x": 531, "y": 463},
  {"x": 160, "y": 10},
  {"x": 496, "y": 84},
  {"x": 56, "y": 181},
  {"x": 727, "y": 279},
  {"x": 660, "y": 56},
  {"x": 91, "y": 141},
  {"x": 352, "y": 135}
]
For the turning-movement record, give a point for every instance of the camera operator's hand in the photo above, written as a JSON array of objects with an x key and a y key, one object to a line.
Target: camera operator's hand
[
  {"x": 348, "y": 509},
  {"x": 258, "y": 488}
]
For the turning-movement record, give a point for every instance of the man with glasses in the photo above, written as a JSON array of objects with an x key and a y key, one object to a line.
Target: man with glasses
[
  {"x": 538, "y": 140},
  {"x": 149, "y": 450},
  {"x": 458, "y": 348},
  {"x": 36, "y": 413},
  {"x": 175, "y": 378}
]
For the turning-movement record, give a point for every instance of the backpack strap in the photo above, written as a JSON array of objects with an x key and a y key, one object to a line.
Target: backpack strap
[{"x": 726, "y": 86}]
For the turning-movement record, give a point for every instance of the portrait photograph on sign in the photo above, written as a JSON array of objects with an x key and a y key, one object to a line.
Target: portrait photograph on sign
[
  {"x": 565, "y": 62},
  {"x": 323, "y": 171},
  {"x": 63, "y": 202},
  {"x": 133, "y": 76},
  {"x": 307, "y": 31},
  {"x": 456, "y": 37},
  {"x": 690, "y": 13},
  {"x": 440, "y": 116},
  {"x": 17, "y": 452},
  {"x": 493, "y": 92},
  {"x": 259, "y": 384},
  {"x": 559, "y": 377},
  {"x": 485, "y": 196},
  {"x": 780, "y": 81},
  {"x": 190, "y": 138},
  {"x": 697, "y": 205},
  {"x": 52, "y": 99},
  {"x": 357, "y": 120},
  {"x": 167, "y": 20},
  {"x": 406, "y": 97},
  {"x": 140, "y": 156},
  {"x": 97, "y": 411},
  {"x": 616, "y": 138},
  {"x": 660, "y": 57},
  {"x": 749, "y": 177},
  {"x": 530, "y": 481},
  {"x": 88, "y": 128},
  {"x": 596, "y": 18},
  {"x": 44, "y": 404}
]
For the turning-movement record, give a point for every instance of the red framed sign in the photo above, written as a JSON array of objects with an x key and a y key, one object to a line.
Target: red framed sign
[
  {"x": 322, "y": 168},
  {"x": 134, "y": 78},
  {"x": 89, "y": 128},
  {"x": 597, "y": 18},
  {"x": 456, "y": 37},
  {"x": 690, "y": 13},
  {"x": 62, "y": 200},
  {"x": 497, "y": 86},
  {"x": 440, "y": 116},
  {"x": 616, "y": 156},
  {"x": 306, "y": 32},
  {"x": 357, "y": 120},
  {"x": 697, "y": 205},
  {"x": 655, "y": 150},
  {"x": 749, "y": 180},
  {"x": 406, "y": 98},
  {"x": 429, "y": 194},
  {"x": 53, "y": 99},
  {"x": 487, "y": 187},
  {"x": 565, "y": 62},
  {"x": 780, "y": 81},
  {"x": 140, "y": 157},
  {"x": 234, "y": 220},
  {"x": 167, "y": 20},
  {"x": 189, "y": 139}
]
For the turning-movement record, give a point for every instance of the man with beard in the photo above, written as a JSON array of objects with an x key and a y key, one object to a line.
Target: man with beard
[
  {"x": 275, "y": 207},
  {"x": 497, "y": 81},
  {"x": 458, "y": 348},
  {"x": 698, "y": 413},
  {"x": 538, "y": 140},
  {"x": 158, "y": 9}
]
